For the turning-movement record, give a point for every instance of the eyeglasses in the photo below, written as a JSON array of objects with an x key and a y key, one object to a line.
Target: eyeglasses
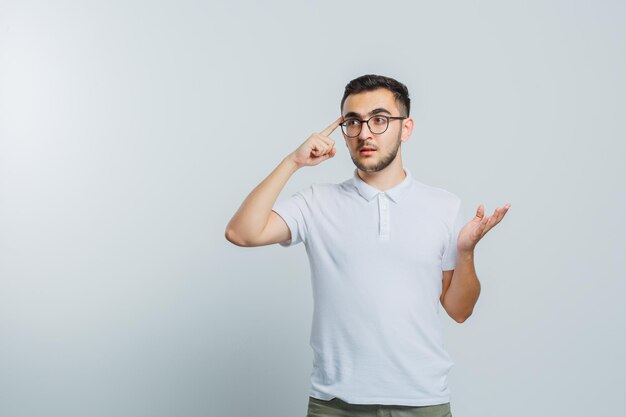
[{"x": 377, "y": 124}]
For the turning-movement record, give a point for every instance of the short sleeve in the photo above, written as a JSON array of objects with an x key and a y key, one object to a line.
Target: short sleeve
[
  {"x": 448, "y": 261},
  {"x": 295, "y": 211}
]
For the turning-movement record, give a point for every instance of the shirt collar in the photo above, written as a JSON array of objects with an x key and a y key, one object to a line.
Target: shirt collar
[{"x": 368, "y": 192}]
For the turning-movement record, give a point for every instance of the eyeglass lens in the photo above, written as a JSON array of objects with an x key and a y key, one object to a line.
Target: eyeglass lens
[{"x": 376, "y": 124}]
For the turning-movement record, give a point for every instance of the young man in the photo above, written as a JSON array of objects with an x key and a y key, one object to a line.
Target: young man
[{"x": 384, "y": 251}]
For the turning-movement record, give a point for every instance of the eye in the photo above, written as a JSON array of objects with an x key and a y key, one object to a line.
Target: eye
[
  {"x": 351, "y": 122},
  {"x": 379, "y": 120}
]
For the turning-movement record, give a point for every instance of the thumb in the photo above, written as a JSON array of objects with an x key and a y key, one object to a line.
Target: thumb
[{"x": 480, "y": 212}]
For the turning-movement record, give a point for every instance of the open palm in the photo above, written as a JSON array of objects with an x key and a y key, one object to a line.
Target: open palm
[{"x": 473, "y": 231}]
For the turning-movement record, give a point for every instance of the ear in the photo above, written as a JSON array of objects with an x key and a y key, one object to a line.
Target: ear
[{"x": 407, "y": 128}]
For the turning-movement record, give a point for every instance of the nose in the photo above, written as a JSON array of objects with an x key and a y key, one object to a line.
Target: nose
[{"x": 366, "y": 133}]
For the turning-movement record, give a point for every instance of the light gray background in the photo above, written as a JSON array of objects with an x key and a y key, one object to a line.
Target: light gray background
[{"x": 130, "y": 133}]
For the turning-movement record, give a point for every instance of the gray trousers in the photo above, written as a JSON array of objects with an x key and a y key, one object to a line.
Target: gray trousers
[{"x": 339, "y": 408}]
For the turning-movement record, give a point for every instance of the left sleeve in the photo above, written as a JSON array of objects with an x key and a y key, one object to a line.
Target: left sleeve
[{"x": 448, "y": 262}]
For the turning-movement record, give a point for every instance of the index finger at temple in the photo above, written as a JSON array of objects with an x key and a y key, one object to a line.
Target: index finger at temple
[{"x": 330, "y": 129}]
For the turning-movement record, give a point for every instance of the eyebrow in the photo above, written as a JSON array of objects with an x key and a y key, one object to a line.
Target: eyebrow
[{"x": 375, "y": 111}]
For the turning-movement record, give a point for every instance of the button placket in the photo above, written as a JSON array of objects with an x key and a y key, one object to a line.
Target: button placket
[{"x": 383, "y": 217}]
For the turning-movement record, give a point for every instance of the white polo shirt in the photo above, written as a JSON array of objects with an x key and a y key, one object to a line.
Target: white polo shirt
[{"x": 376, "y": 261}]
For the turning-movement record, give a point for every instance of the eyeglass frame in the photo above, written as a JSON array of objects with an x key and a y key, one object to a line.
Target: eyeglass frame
[{"x": 342, "y": 124}]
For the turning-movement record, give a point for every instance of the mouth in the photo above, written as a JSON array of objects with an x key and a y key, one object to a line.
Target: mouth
[{"x": 366, "y": 150}]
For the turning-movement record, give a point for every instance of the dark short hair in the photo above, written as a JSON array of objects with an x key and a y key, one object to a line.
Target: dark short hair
[{"x": 372, "y": 82}]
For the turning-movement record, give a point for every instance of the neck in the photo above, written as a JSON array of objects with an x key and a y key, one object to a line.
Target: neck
[{"x": 385, "y": 179}]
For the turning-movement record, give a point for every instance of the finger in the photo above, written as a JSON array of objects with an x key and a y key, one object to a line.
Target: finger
[
  {"x": 482, "y": 223},
  {"x": 478, "y": 232},
  {"x": 327, "y": 155},
  {"x": 330, "y": 129},
  {"x": 323, "y": 145},
  {"x": 328, "y": 141},
  {"x": 496, "y": 220},
  {"x": 490, "y": 223},
  {"x": 480, "y": 212},
  {"x": 500, "y": 212},
  {"x": 320, "y": 148},
  {"x": 317, "y": 152},
  {"x": 497, "y": 214},
  {"x": 484, "y": 227}
]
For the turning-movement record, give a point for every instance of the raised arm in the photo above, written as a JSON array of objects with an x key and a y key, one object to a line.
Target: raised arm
[
  {"x": 255, "y": 224},
  {"x": 461, "y": 287}
]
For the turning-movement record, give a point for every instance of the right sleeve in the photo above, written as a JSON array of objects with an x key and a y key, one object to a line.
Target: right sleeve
[{"x": 295, "y": 211}]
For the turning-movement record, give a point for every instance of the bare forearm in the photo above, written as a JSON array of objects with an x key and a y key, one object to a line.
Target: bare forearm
[
  {"x": 464, "y": 289},
  {"x": 252, "y": 218},
  {"x": 253, "y": 214}
]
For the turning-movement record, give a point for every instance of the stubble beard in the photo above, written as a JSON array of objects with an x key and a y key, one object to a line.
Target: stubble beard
[{"x": 382, "y": 163}]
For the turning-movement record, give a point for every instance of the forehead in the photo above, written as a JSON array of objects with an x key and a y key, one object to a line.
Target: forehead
[{"x": 366, "y": 101}]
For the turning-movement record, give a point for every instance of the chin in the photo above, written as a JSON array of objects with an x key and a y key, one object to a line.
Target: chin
[
  {"x": 370, "y": 164},
  {"x": 368, "y": 169},
  {"x": 372, "y": 167}
]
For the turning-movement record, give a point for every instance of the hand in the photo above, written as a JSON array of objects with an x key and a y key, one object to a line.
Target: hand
[
  {"x": 317, "y": 148},
  {"x": 473, "y": 231}
]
